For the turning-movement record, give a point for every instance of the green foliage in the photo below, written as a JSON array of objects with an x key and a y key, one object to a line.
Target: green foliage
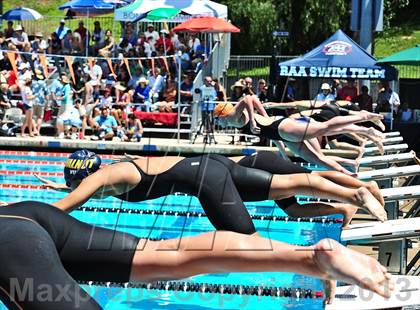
[
  {"x": 396, "y": 39},
  {"x": 45, "y": 7}
]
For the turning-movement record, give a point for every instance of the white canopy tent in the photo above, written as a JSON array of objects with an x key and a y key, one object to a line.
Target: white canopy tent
[{"x": 139, "y": 9}]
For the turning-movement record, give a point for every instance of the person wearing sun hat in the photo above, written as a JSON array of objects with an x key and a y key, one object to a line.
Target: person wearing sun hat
[
  {"x": 151, "y": 32},
  {"x": 237, "y": 91},
  {"x": 142, "y": 93},
  {"x": 65, "y": 105},
  {"x": 325, "y": 94}
]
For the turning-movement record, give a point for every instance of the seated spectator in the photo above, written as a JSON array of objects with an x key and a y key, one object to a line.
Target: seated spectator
[
  {"x": 291, "y": 92},
  {"x": 348, "y": 91},
  {"x": 105, "y": 101},
  {"x": 325, "y": 94},
  {"x": 151, "y": 33},
  {"x": 129, "y": 34},
  {"x": 38, "y": 44},
  {"x": 41, "y": 93},
  {"x": 262, "y": 90},
  {"x": 169, "y": 96},
  {"x": 119, "y": 108},
  {"x": 124, "y": 46},
  {"x": 20, "y": 38},
  {"x": 27, "y": 98},
  {"x": 83, "y": 32},
  {"x": 164, "y": 42},
  {"x": 175, "y": 40},
  {"x": 98, "y": 37},
  {"x": 387, "y": 98},
  {"x": 185, "y": 58},
  {"x": 193, "y": 42},
  {"x": 132, "y": 131},
  {"x": 104, "y": 125},
  {"x": 156, "y": 84},
  {"x": 186, "y": 92},
  {"x": 61, "y": 30},
  {"x": 54, "y": 44},
  {"x": 76, "y": 44},
  {"x": 95, "y": 73},
  {"x": 135, "y": 76},
  {"x": 9, "y": 32},
  {"x": 364, "y": 100},
  {"x": 237, "y": 91},
  {"x": 108, "y": 48},
  {"x": 141, "y": 94},
  {"x": 67, "y": 43}
]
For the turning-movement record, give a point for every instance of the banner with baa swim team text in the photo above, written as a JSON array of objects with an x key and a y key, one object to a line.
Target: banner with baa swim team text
[{"x": 338, "y": 57}]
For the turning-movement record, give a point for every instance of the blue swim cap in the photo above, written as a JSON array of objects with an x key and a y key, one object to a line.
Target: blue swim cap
[{"x": 79, "y": 165}]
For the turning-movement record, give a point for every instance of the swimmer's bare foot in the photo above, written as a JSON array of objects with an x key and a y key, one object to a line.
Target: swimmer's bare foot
[
  {"x": 338, "y": 262},
  {"x": 329, "y": 289},
  {"x": 348, "y": 212},
  {"x": 373, "y": 187},
  {"x": 255, "y": 129},
  {"x": 369, "y": 203}
]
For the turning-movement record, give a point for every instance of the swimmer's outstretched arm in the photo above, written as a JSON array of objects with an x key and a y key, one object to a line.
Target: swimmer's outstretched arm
[
  {"x": 221, "y": 252},
  {"x": 61, "y": 187},
  {"x": 108, "y": 181}
]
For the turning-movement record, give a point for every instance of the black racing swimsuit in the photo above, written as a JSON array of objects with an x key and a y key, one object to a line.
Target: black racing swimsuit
[
  {"x": 270, "y": 132},
  {"x": 220, "y": 185},
  {"x": 44, "y": 246}
]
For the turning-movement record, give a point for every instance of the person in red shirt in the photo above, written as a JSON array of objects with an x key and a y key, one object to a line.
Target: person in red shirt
[
  {"x": 165, "y": 41},
  {"x": 348, "y": 90}
]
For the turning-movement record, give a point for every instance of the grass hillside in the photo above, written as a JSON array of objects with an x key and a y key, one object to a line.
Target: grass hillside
[
  {"x": 45, "y": 7},
  {"x": 396, "y": 40}
]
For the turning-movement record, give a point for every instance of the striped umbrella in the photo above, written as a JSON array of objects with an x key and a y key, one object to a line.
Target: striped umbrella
[{"x": 21, "y": 14}]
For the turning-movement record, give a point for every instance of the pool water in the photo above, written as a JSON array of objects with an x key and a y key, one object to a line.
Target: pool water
[{"x": 159, "y": 225}]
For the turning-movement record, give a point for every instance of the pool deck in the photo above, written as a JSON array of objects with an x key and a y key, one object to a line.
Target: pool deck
[{"x": 146, "y": 145}]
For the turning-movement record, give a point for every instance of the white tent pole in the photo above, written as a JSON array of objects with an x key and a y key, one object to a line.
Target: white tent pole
[{"x": 179, "y": 96}]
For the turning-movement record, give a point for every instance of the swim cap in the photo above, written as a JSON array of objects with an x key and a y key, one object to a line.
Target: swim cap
[
  {"x": 222, "y": 109},
  {"x": 79, "y": 165}
]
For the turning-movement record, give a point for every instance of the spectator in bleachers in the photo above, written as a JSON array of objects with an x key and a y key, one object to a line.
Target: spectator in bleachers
[
  {"x": 193, "y": 42},
  {"x": 108, "y": 48},
  {"x": 325, "y": 94},
  {"x": 98, "y": 37},
  {"x": 9, "y": 32},
  {"x": 142, "y": 93},
  {"x": 185, "y": 58},
  {"x": 67, "y": 43},
  {"x": 104, "y": 126},
  {"x": 135, "y": 76},
  {"x": 132, "y": 131},
  {"x": 76, "y": 44},
  {"x": 186, "y": 91},
  {"x": 124, "y": 47},
  {"x": 41, "y": 94},
  {"x": 54, "y": 44},
  {"x": 105, "y": 101},
  {"x": 262, "y": 90},
  {"x": 4, "y": 96},
  {"x": 348, "y": 91},
  {"x": 83, "y": 32},
  {"x": 61, "y": 30},
  {"x": 168, "y": 97},
  {"x": 23, "y": 74},
  {"x": 156, "y": 84},
  {"x": 95, "y": 73},
  {"x": 39, "y": 45},
  {"x": 151, "y": 33},
  {"x": 237, "y": 91},
  {"x": 164, "y": 43},
  {"x": 129, "y": 34},
  {"x": 27, "y": 98},
  {"x": 20, "y": 38}
]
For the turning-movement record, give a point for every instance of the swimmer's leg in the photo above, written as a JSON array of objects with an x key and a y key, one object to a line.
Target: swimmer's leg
[
  {"x": 37, "y": 267},
  {"x": 283, "y": 186},
  {"x": 221, "y": 252}
]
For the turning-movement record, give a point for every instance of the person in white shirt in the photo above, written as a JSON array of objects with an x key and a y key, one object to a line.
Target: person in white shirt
[
  {"x": 95, "y": 73},
  {"x": 193, "y": 42},
  {"x": 20, "y": 38},
  {"x": 61, "y": 30},
  {"x": 27, "y": 98},
  {"x": 151, "y": 32},
  {"x": 24, "y": 74}
]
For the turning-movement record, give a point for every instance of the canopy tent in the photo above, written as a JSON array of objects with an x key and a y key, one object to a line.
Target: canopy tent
[
  {"x": 409, "y": 56},
  {"x": 21, "y": 14},
  {"x": 89, "y": 7},
  {"x": 337, "y": 57},
  {"x": 206, "y": 24},
  {"x": 140, "y": 8}
]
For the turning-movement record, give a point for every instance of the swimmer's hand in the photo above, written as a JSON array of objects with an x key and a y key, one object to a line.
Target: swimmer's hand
[
  {"x": 3, "y": 203},
  {"x": 52, "y": 185},
  {"x": 126, "y": 156}
]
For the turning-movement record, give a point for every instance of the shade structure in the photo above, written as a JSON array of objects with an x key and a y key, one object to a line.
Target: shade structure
[
  {"x": 162, "y": 13},
  {"x": 337, "y": 57},
  {"x": 91, "y": 7},
  {"x": 139, "y": 9},
  {"x": 409, "y": 56},
  {"x": 21, "y": 14},
  {"x": 206, "y": 24}
]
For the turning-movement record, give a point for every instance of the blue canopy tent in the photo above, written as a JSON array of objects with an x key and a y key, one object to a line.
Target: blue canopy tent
[
  {"x": 88, "y": 7},
  {"x": 337, "y": 57}
]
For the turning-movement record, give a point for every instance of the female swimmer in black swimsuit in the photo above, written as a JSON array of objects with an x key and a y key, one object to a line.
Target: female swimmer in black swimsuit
[
  {"x": 45, "y": 251},
  {"x": 220, "y": 184}
]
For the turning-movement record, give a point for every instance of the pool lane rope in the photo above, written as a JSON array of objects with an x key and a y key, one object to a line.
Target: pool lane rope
[{"x": 232, "y": 289}]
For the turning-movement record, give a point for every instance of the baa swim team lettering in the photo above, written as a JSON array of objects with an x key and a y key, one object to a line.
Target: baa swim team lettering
[{"x": 332, "y": 72}]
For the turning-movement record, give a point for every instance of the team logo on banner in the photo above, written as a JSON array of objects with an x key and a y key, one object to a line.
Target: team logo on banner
[{"x": 337, "y": 48}]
